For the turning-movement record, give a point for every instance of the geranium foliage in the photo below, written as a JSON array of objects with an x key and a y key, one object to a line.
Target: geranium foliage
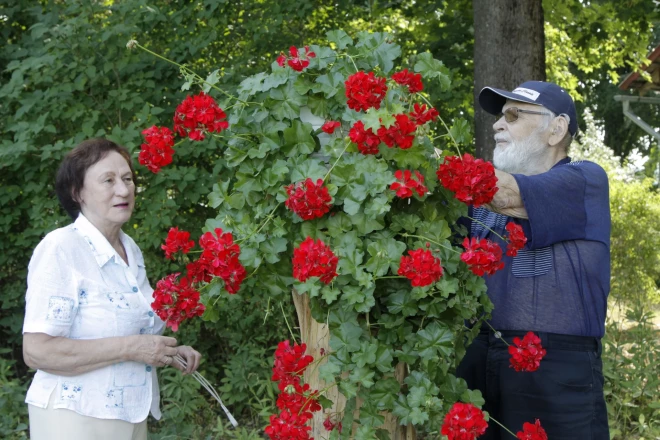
[{"x": 314, "y": 210}]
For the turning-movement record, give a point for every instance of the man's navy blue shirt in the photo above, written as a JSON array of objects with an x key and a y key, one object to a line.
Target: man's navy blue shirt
[{"x": 560, "y": 281}]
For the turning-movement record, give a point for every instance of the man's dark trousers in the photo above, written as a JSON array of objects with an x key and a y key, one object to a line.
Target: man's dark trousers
[{"x": 565, "y": 393}]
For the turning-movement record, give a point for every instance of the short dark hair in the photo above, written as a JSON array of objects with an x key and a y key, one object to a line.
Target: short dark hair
[{"x": 71, "y": 174}]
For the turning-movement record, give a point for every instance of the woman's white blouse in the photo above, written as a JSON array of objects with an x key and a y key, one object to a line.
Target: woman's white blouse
[{"x": 80, "y": 288}]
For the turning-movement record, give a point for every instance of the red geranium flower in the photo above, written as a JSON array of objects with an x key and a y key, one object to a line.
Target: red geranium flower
[
  {"x": 532, "y": 431},
  {"x": 472, "y": 180},
  {"x": 464, "y": 421},
  {"x": 367, "y": 142},
  {"x": 197, "y": 115},
  {"x": 175, "y": 301},
  {"x": 330, "y": 126},
  {"x": 308, "y": 199},
  {"x": 401, "y": 133},
  {"x": 407, "y": 184},
  {"x": 177, "y": 241},
  {"x": 526, "y": 354},
  {"x": 219, "y": 258},
  {"x": 421, "y": 267},
  {"x": 517, "y": 239},
  {"x": 288, "y": 426},
  {"x": 412, "y": 80},
  {"x": 297, "y": 61},
  {"x": 157, "y": 151},
  {"x": 482, "y": 256},
  {"x": 421, "y": 115},
  {"x": 299, "y": 399},
  {"x": 364, "y": 91},
  {"x": 314, "y": 259}
]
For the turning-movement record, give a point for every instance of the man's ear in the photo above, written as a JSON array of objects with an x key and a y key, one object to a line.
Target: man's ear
[{"x": 559, "y": 130}]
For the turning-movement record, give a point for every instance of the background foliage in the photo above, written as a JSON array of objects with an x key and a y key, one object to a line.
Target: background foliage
[{"x": 66, "y": 75}]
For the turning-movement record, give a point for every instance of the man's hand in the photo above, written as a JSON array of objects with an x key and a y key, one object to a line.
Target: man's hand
[{"x": 507, "y": 200}]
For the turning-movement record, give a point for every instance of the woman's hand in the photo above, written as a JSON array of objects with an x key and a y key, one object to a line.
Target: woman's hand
[
  {"x": 191, "y": 356},
  {"x": 155, "y": 350}
]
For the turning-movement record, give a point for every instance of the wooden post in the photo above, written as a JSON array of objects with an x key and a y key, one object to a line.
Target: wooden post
[{"x": 317, "y": 336}]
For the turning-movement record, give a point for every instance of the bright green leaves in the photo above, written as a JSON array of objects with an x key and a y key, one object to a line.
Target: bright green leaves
[
  {"x": 339, "y": 38},
  {"x": 298, "y": 140},
  {"x": 434, "y": 340},
  {"x": 461, "y": 132},
  {"x": 375, "y": 118},
  {"x": 430, "y": 68},
  {"x": 377, "y": 50},
  {"x": 329, "y": 84},
  {"x": 346, "y": 340},
  {"x": 287, "y": 102},
  {"x": 385, "y": 255}
]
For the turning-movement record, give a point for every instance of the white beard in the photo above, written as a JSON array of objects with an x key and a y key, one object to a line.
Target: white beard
[{"x": 520, "y": 157}]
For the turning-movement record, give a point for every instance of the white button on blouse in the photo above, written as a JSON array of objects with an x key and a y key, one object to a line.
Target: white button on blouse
[{"x": 80, "y": 288}]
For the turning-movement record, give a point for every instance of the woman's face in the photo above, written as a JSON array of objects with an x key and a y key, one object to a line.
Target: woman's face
[{"x": 108, "y": 194}]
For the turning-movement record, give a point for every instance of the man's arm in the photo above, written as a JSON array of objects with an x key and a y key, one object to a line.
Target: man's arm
[{"x": 507, "y": 200}]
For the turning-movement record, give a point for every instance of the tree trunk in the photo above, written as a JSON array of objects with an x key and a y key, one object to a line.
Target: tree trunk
[
  {"x": 317, "y": 336},
  {"x": 509, "y": 49}
]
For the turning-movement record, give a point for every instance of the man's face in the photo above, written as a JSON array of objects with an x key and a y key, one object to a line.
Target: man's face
[{"x": 519, "y": 145}]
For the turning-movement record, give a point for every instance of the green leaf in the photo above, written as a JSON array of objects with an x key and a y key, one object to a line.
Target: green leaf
[
  {"x": 312, "y": 168},
  {"x": 366, "y": 354},
  {"x": 362, "y": 376},
  {"x": 219, "y": 194},
  {"x": 365, "y": 224},
  {"x": 298, "y": 139},
  {"x": 385, "y": 255},
  {"x": 460, "y": 131},
  {"x": 351, "y": 207},
  {"x": 384, "y": 393},
  {"x": 474, "y": 397},
  {"x": 329, "y": 84},
  {"x": 329, "y": 370},
  {"x": 330, "y": 294},
  {"x": 375, "y": 118},
  {"x": 324, "y": 57},
  {"x": 431, "y": 68},
  {"x": 211, "y": 80},
  {"x": 279, "y": 76},
  {"x": 401, "y": 302},
  {"x": 236, "y": 200},
  {"x": 340, "y": 38},
  {"x": 365, "y": 432},
  {"x": 252, "y": 84},
  {"x": 312, "y": 286},
  {"x": 435, "y": 338},
  {"x": 287, "y": 102},
  {"x": 345, "y": 340},
  {"x": 272, "y": 247}
]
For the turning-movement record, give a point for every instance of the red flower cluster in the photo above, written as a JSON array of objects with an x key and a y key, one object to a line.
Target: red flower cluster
[
  {"x": 298, "y": 61},
  {"x": 296, "y": 401},
  {"x": 364, "y": 90},
  {"x": 175, "y": 301},
  {"x": 526, "y": 354},
  {"x": 421, "y": 115},
  {"x": 401, "y": 133},
  {"x": 308, "y": 199},
  {"x": 157, "y": 151},
  {"x": 314, "y": 259},
  {"x": 482, "y": 256},
  {"x": 407, "y": 184},
  {"x": 421, "y": 267},
  {"x": 199, "y": 114},
  {"x": 219, "y": 258},
  {"x": 532, "y": 432},
  {"x": 517, "y": 239},
  {"x": 464, "y": 421},
  {"x": 330, "y": 126},
  {"x": 367, "y": 142},
  {"x": 412, "y": 80},
  {"x": 472, "y": 180},
  {"x": 329, "y": 425},
  {"x": 177, "y": 241}
]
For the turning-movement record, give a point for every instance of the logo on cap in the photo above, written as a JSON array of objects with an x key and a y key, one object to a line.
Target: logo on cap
[{"x": 528, "y": 93}]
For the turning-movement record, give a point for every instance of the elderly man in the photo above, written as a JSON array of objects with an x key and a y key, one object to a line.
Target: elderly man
[{"x": 557, "y": 286}]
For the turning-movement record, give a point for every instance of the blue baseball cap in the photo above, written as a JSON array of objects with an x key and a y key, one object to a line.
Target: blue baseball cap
[{"x": 546, "y": 94}]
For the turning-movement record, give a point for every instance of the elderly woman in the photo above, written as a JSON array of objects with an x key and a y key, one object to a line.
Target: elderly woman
[{"x": 89, "y": 330}]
